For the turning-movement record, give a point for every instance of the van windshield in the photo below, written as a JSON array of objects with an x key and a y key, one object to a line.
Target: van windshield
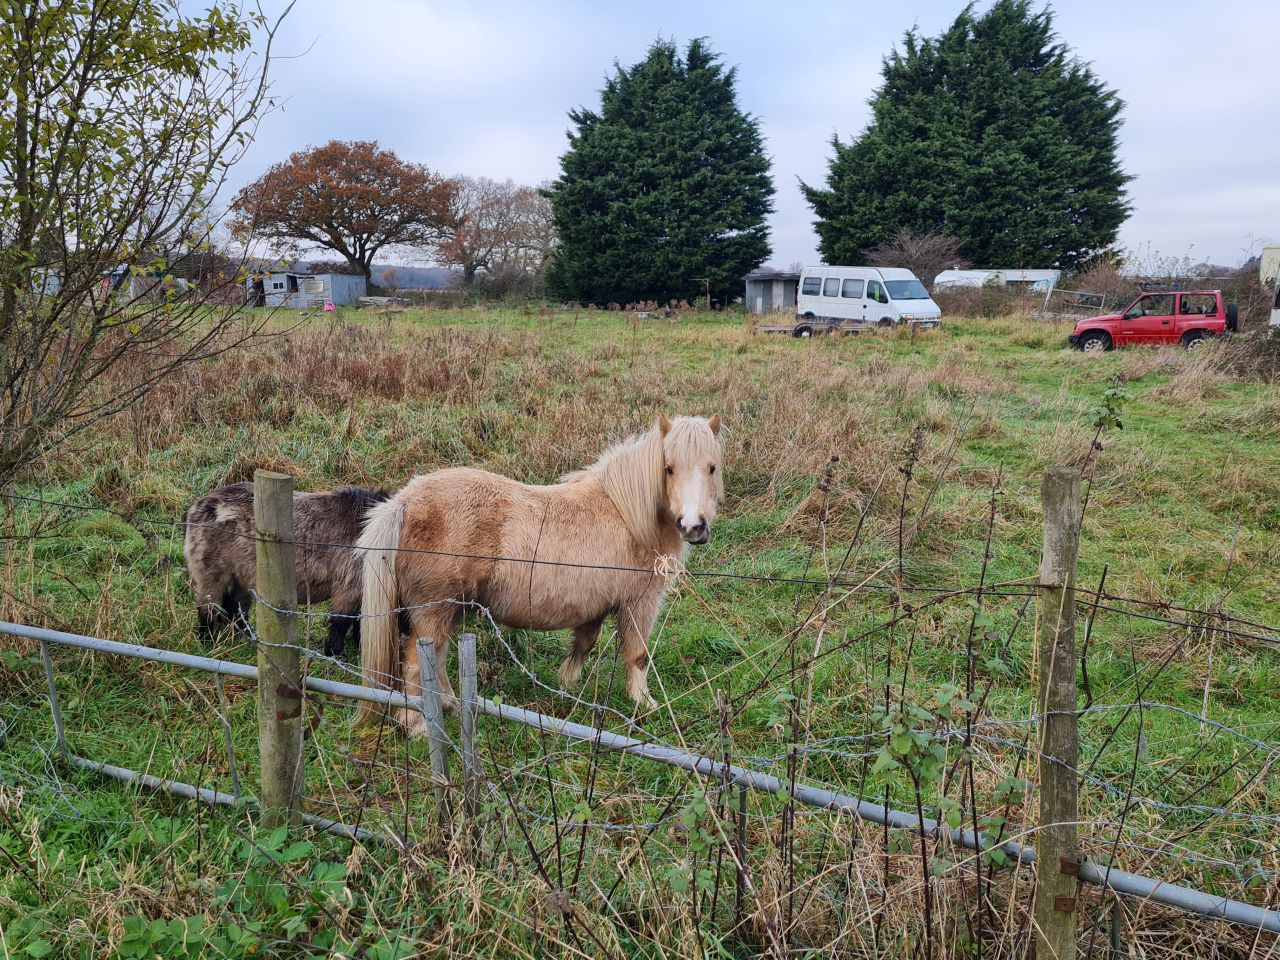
[{"x": 907, "y": 290}]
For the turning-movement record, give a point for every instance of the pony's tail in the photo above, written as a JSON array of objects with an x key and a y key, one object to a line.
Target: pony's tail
[{"x": 379, "y": 624}]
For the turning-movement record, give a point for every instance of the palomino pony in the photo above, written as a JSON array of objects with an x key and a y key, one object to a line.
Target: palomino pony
[
  {"x": 538, "y": 557},
  {"x": 221, "y": 552}
]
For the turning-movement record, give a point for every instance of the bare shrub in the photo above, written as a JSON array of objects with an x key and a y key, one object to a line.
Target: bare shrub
[
  {"x": 1104, "y": 277},
  {"x": 121, "y": 121},
  {"x": 988, "y": 300},
  {"x": 925, "y": 254}
]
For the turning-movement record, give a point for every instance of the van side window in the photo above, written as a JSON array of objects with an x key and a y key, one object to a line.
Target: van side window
[
  {"x": 812, "y": 286},
  {"x": 852, "y": 289},
  {"x": 876, "y": 292},
  {"x": 831, "y": 287}
]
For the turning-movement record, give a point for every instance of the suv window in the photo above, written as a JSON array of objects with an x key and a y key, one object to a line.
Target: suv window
[
  {"x": 876, "y": 292},
  {"x": 812, "y": 286},
  {"x": 852, "y": 289},
  {"x": 1198, "y": 304},
  {"x": 1155, "y": 305},
  {"x": 831, "y": 287}
]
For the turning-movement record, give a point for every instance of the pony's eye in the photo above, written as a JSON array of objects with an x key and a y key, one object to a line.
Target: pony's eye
[
  {"x": 670, "y": 471},
  {"x": 713, "y": 468}
]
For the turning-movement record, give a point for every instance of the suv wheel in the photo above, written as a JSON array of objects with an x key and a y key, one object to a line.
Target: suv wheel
[
  {"x": 1194, "y": 338},
  {"x": 1095, "y": 341}
]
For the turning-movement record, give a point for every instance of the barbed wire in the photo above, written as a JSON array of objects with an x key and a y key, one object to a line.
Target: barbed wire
[
  {"x": 526, "y": 786},
  {"x": 1214, "y": 617}
]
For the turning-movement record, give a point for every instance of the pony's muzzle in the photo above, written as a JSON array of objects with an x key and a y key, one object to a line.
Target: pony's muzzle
[{"x": 694, "y": 533}]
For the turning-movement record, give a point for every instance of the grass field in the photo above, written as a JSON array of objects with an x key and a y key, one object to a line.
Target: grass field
[{"x": 942, "y": 440}]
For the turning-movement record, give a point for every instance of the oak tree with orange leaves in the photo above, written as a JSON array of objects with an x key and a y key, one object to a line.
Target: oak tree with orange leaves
[{"x": 353, "y": 198}]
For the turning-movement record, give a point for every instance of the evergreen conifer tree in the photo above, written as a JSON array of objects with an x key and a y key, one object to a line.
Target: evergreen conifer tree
[
  {"x": 993, "y": 133},
  {"x": 666, "y": 184}
]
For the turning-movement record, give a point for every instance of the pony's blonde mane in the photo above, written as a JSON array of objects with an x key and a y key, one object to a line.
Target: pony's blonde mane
[{"x": 633, "y": 472}]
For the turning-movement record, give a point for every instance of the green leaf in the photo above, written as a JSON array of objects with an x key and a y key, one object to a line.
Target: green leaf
[
  {"x": 885, "y": 763},
  {"x": 39, "y": 948},
  {"x": 298, "y": 850}
]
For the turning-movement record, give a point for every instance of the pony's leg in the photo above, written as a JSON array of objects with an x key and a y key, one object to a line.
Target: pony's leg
[
  {"x": 436, "y": 623},
  {"x": 344, "y": 620},
  {"x": 634, "y": 623},
  {"x": 212, "y": 620},
  {"x": 211, "y": 592},
  {"x": 340, "y": 626},
  {"x": 237, "y": 605},
  {"x": 584, "y": 640}
]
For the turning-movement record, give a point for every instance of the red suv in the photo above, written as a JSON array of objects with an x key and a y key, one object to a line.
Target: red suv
[{"x": 1188, "y": 317}]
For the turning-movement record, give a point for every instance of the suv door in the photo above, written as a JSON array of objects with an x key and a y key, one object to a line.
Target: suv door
[
  {"x": 1149, "y": 319},
  {"x": 1197, "y": 311}
]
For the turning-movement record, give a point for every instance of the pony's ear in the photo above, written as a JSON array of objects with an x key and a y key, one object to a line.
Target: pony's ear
[
  {"x": 714, "y": 424},
  {"x": 664, "y": 424}
]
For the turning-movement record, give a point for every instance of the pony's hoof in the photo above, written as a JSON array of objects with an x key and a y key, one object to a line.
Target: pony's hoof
[
  {"x": 570, "y": 671},
  {"x": 644, "y": 700},
  {"x": 413, "y": 723}
]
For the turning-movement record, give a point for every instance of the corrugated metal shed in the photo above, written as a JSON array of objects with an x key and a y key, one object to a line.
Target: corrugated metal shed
[
  {"x": 287, "y": 288},
  {"x": 1027, "y": 279}
]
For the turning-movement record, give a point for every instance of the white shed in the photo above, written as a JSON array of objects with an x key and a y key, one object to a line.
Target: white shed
[
  {"x": 1269, "y": 264},
  {"x": 1037, "y": 280},
  {"x": 288, "y": 288}
]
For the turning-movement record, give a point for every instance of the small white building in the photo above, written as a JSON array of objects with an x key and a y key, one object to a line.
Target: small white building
[
  {"x": 1269, "y": 264},
  {"x": 288, "y": 288},
  {"x": 769, "y": 291},
  {"x": 1039, "y": 281}
]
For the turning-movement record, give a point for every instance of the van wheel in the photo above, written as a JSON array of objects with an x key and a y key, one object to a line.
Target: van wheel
[
  {"x": 1095, "y": 341},
  {"x": 886, "y": 321},
  {"x": 1194, "y": 338},
  {"x": 803, "y": 331}
]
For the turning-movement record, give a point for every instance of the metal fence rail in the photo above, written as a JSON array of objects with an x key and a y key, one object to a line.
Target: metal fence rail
[{"x": 1185, "y": 899}]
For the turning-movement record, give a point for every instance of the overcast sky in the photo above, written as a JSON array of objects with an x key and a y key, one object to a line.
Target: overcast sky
[{"x": 484, "y": 89}]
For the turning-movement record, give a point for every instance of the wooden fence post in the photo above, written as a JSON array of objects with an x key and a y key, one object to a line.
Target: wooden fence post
[
  {"x": 1057, "y": 856},
  {"x": 433, "y": 714},
  {"x": 280, "y": 723},
  {"x": 467, "y": 694}
]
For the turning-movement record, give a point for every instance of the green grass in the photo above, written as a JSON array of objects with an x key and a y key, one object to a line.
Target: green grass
[{"x": 1184, "y": 504}]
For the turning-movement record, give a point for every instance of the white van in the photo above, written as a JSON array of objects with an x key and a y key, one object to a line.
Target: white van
[{"x": 849, "y": 297}]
